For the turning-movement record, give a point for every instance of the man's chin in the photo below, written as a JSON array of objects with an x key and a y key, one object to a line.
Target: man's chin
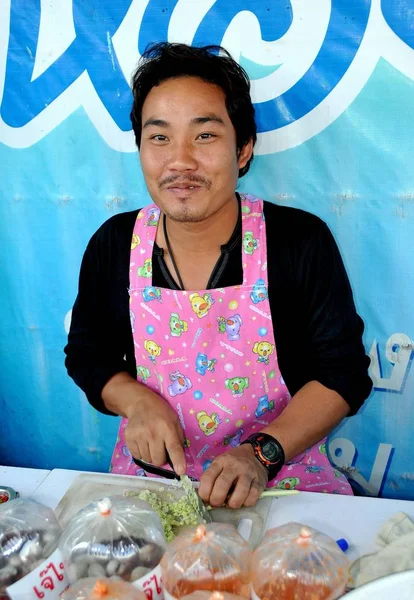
[
  {"x": 185, "y": 214},
  {"x": 185, "y": 217}
]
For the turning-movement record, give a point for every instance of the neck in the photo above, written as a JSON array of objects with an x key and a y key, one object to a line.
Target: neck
[{"x": 205, "y": 236}]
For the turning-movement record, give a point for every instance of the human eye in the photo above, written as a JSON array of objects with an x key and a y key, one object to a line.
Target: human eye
[
  {"x": 206, "y": 136},
  {"x": 159, "y": 138}
]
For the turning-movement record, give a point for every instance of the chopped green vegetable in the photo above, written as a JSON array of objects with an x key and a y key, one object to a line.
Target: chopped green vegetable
[{"x": 173, "y": 512}]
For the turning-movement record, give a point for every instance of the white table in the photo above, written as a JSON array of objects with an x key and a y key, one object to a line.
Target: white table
[
  {"x": 24, "y": 481},
  {"x": 353, "y": 518}
]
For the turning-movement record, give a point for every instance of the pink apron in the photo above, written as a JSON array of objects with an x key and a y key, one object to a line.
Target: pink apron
[{"x": 211, "y": 355}]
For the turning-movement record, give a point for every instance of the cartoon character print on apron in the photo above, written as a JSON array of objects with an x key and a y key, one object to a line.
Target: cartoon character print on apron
[{"x": 211, "y": 355}]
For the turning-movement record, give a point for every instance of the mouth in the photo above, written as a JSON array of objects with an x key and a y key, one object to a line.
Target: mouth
[{"x": 184, "y": 189}]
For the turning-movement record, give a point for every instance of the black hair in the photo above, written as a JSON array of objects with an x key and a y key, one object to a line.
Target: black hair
[{"x": 212, "y": 64}]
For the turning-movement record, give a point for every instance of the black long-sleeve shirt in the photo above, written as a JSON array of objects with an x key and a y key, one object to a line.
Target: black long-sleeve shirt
[{"x": 317, "y": 331}]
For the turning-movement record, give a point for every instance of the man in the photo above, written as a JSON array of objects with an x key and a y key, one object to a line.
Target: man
[{"x": 220, "y": 327}]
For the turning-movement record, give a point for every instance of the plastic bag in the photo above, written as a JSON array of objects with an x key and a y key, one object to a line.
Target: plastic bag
[
  {"x": 102, "y": 589},
  {"x": 212, "y": 557},
  {"x": 203, "y": 595},
  {"x": 29, "y": 533},
  {"x": 113, "y": 537},
  {"x": 296, "y": 562}
]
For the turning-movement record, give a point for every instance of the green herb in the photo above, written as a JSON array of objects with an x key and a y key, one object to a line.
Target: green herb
[{"x": 175, "y": 513}]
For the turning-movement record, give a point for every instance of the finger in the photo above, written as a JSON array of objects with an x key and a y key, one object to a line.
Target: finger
[
  {"x": 241, "y": 491},
  {"x": 208, "y": 480},
  {"x": 222, "y": 487},
  {"x": 256, "y": 488},
  {"x": 157, "y": 453},
  {"x": 133, "y": 448},
  {"x": 180, "y": 434},
  {"x": 176, "y": 451},
  {"x": 145, "y": 451}
]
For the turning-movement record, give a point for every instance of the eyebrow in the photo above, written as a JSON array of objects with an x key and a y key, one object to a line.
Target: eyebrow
[
  {"x": 211, "y": 118},
  {"x": 155, "y": 122}
]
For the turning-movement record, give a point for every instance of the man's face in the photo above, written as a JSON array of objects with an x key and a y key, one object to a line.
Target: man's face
[{"x": 188, "y": 149}]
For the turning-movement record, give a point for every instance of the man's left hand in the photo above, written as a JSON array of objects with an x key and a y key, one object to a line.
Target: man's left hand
[{"x": 237, "y": 471}]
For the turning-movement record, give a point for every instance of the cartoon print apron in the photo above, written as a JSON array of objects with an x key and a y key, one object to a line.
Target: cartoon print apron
[{"x": 211, "y": 355}]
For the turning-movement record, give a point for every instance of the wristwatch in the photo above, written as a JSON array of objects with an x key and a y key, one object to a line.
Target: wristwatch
[{"x": 268, "y": 452}]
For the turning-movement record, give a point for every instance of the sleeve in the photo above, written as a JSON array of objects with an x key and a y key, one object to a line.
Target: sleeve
[
  {"x": 335, "y": 330},
  {"x": 95, "y": 351}
]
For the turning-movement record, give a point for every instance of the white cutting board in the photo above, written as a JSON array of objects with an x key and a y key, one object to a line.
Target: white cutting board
[{"x": 87, "y": 487}]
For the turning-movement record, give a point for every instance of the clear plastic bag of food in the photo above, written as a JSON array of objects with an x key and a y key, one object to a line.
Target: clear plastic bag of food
[
  {"x": 203, "y": 595},
  {"x": 114, "y": 537},
  {"x": 102, "y": 589},
  {"x": 29, "y": 534},
  {"x": 296, "y": 562},
  {"x": 212, "y": 557}
]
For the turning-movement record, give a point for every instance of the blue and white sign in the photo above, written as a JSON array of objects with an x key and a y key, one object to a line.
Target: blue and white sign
[{"x": 333, "y": 87}]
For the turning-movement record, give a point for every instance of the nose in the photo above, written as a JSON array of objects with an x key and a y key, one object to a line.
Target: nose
[{"x": 182, "y": 157}]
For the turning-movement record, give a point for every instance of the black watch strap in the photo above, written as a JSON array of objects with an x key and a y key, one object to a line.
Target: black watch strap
[{"x": 268, "y": 451}]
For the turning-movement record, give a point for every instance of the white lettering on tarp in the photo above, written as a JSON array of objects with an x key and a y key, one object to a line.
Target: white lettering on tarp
[
  {"x": 244, "y": 28},
  {"x": 47, "y": 581},
  {"x": 399, "y": 352},
  {"x": 343, "y": 454}
]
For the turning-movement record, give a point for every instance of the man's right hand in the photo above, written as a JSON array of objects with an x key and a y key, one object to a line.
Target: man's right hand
[{"x": 153, "y": 427}]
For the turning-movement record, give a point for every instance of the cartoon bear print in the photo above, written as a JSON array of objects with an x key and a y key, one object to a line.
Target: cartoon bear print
[
  {"x": 135, "y": 241},
  {"x": 250, "y": 244},
  {"x": 263, "y": 350},
  {"x": 153, "y": 216},
  {"x": 237, "y": 385},
  {"x": 259, "y": 292},
  {"x": 201, "y": 304},
  {"x": 153, "y": 350},
  {"x": 177, "y": 326},
  {"x": 179, "y": 384},
  {"x": 263, "y": 406},
  {"x": 231, "y": 326},
  {"x": 150, "y": 293},
  {"x": 233, "y": 440},
  {"x": 143, "y": 373},
  {"x": 203, "y": 364},
  {"x": 146, "y": 269},
  {"x": 288, "y": 483},
  {"x": 208, "y": 423}
]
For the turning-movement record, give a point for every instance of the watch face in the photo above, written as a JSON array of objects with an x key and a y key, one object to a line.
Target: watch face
[{"x": 270, "y": 451}]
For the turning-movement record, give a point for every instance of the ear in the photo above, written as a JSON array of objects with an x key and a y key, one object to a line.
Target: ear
[{"x": 245, "y": 154}]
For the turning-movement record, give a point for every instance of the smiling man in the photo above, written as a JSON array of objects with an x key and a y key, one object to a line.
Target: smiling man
[{"x": 219, "y": 326}]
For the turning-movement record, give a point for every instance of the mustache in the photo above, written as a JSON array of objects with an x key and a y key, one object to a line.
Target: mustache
[{"x": 187, "y": 179}]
